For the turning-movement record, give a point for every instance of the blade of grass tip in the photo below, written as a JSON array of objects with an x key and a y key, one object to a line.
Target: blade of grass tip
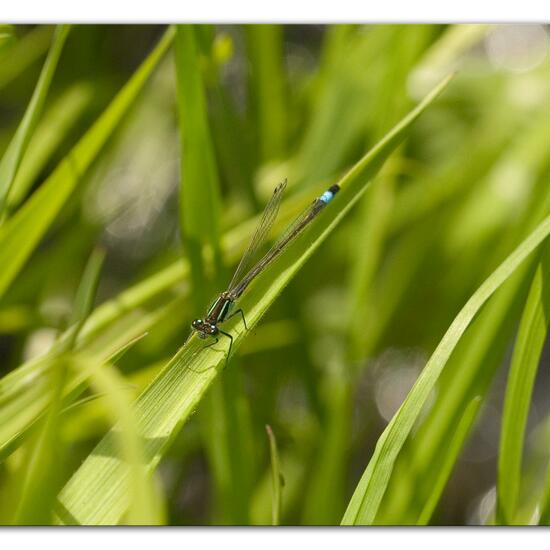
[
  {"x": 365, "y": 501},
  {"x": 38, "y": 493},
  {"x": 95, "y": 494},
  {"x": 16, "y": 149},
  {"x": 445, "y": 54},
  {"x": 277, "y": 480},
  {"x": 22, "y": 232},
  {"x": 22, "y": 407},
  {"x": 523, "y": 369},
  {"x": 451, "y": 454},
  {"x": 85, "y": 295}
]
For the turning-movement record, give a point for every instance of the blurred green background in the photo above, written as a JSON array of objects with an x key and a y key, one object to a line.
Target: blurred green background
[{"x": 331, "y": 362}]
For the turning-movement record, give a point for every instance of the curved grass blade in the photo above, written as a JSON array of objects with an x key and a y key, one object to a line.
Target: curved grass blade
[
  {"x": 16, "y": 149},
  {"x": 21, "y": 233},
  {"x": 365, "y": 501},
  {"x": 95, "y": 494},
  {"x": 523, "y": 369},
  {"x": 451, "y": 454}
]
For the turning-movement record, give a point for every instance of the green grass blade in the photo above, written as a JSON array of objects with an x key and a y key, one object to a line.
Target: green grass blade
[
  {"x": 199, "y": 186},
  {"x": 95, "y": 494},
  {"x": 468, "y": 374},
  {"x": 61, "y": 118},
  {"x": 7, "y": 35},
  {"x": 27, "y": 403},
  {"x": 107, "y": 381},
  {"x": 326, "y": 498},
  {"x": 267, "y": 88},
  {"x": 451, "y": 453},
  {"x": 23, "y": 53},
  {"x": 21, "y": 233},
  {"x": 12, "y": 157},
  {"x": 38, "y": 489},
  {"x": 525, "y": 360},
  {"x": 276, "y": 478},
  {"x": 544, "y": 504},
  {"x": 39, "y": 482},
  {"x": 444, "y": 55},
  {"x": 365, "y": 501}
]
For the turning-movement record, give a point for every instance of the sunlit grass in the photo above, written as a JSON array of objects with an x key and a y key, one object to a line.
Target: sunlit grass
[{"x": 429, "y": 265}]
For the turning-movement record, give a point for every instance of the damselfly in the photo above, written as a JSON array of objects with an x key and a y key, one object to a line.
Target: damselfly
[{"x": 221, "y": 309}]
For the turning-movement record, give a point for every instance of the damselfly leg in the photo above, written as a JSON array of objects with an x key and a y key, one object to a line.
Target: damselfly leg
[{"x": 242, "y": 315}]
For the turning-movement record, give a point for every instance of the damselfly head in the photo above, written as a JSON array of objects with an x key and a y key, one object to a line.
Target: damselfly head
[{"x": 204, "y": 328}]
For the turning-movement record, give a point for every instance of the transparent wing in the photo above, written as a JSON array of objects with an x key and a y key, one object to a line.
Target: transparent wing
[
  {"x": 295, "y": 228},
  {"x": 268, "y": 217}
]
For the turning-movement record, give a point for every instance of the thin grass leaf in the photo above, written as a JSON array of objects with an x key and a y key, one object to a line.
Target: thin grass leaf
[
  {"x": 58, "y": 120},
  {"x": 468, "y": 374},
  {"x": 142, "y": 505},
  {"x": 199, "y": 186},
  {"x": 451, "y": 452},
  {"x": 444, "y": 55},
  {"x": 95, "y": 494},
  {"x": 365, "y": 501},
  {"x": 19, "y": 56},
  {"x": 39, "y": 482},
  {"x": 267, "y": 88},
  {"x": 530, "y": 340},
  {"x": 85, "y": 296},
  {"x": 326, "y": 499},
  {"x": 16, "y": 149},
  {"x": 276, "y": 478},
  {"x": 21, "y": 233},
  {"x": 126, "y": 304},
  {"x": 38, "y": 488},
  {"x": 481, "y": 351}
]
